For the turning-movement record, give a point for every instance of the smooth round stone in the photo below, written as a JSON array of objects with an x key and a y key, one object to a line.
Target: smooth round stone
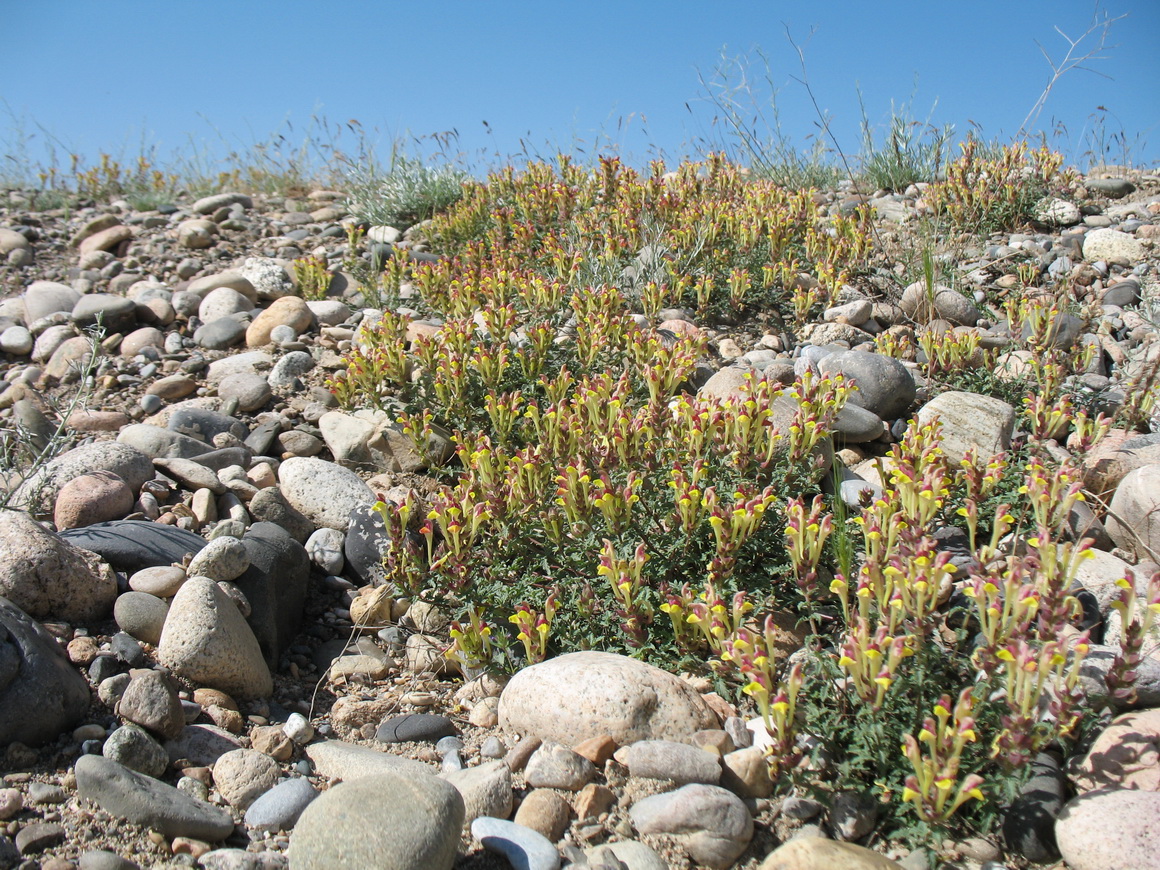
[
  {"x": 220, "y": 334},
  {"x": 418, "y": 727},
  {"x": 92, "y": 498},
  {"x": 387, "y": 821},
  {"x": 325, "y": 492},
  {"x": 556, "y": 766},
  {"x": 283, "y": 334},
  {"x": 142, "y": 615},
  {"x": 16, "y": 340},
  {"x": 251, "y": 391},
  {"x": 279, "y": 808},
  {"x": 522, "y": 847},
  {"x": 162, "y": 581},
  {"x": 150, "y": 404},
  {"x": 223, "y": 302}
]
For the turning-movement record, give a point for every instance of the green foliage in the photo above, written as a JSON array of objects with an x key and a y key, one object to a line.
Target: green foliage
[
  {"x": 408, "y": 193},
  {"x": 912, "y": 151}
]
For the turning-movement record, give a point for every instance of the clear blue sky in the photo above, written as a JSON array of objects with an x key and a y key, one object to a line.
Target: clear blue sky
[{"x": 185, "y": 76}]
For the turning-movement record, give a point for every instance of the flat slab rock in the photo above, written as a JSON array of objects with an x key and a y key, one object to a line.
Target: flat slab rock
[
  {"x": 130, "y": 545},
  {"x": 149, "y": 802}
]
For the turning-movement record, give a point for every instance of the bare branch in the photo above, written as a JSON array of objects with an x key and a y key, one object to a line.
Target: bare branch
[{"x": 1100, "y": 29}]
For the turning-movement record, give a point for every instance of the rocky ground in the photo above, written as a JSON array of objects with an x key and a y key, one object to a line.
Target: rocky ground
[{"x": 182, "y": 682}]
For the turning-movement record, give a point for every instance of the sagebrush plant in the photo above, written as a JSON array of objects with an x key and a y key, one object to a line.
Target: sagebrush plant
[{"x": 408, "y": 192}]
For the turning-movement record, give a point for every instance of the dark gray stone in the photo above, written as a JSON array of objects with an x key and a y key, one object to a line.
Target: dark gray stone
[
  {"x": 126, "y": 648},
  {"x": 1062, "y": 333},
  {"x": 104, "y": 667},
  {"x": 220, "y": 334},
  {"x": 1121, "y": 294},
  {"x": 262, "y": 437},
  {"x": 408, "y": 727},
  {"x": 1114, "y": 188},
  {"x": 366, "y": 540},
  {"x": 1029, "y": 825},
  {"x": 882, "y": 385},
  {"x": 115, "y": 313},
  {"x": 216, "y": 460},
  {"x": 130, "y": 545},
  {"x": 41, "y": 693},
  {"x": 275, "y": 585},
  {"x": 145, "y": 801}
]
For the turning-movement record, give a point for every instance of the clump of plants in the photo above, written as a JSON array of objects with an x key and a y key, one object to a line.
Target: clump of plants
[
  {"x": 596, "y": 502},
  {"x": 991, "y": 189},
  {"x": 409, "y": 192}
]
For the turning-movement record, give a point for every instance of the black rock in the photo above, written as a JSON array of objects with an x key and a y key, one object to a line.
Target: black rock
[
  {"x": 275, "y": 585},
  {"x": 1029, "y": 825},
  {"x": 130, "y": 545},
  {"x": 263, "y": 435},
  {"x": 408, "y": 727},
  {"x": 104, "y": 667},
  {"x": 127, "y": 649},
  {"x": 204, "y": 425},
  {"x": 366, "y": 539},
  {"x": 41, "y": 693}
]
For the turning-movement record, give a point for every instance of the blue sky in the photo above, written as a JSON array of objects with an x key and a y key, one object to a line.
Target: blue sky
[{"x": 205, "y": 77}]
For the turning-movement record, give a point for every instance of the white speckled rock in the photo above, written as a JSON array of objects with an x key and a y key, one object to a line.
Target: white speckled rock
[
  {"x": 970, "y": 420},
  {"x": 1110, "y": 830},
  {"x": 223, "y": 558},
  {"x": 324, "y": 492},
  {"x": 580, "y": 695},
  {"x": 206, "y": 639},
  {"x": 1113, "y": 246}
]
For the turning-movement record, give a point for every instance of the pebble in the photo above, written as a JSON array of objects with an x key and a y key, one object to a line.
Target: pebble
[
  {"x": 523, "y": 848},
  {"x": 712, "y": 824},
  {"x": 279, "y": 808},
  {"x": 556, "y": 766},
  {"x": 427, "y": 727}
]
